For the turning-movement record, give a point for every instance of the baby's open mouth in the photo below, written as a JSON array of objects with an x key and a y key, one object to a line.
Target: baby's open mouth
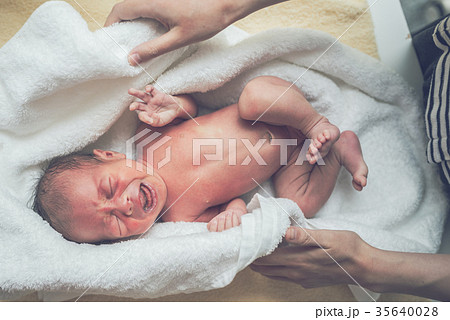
[{"x": 147, "y": 196}]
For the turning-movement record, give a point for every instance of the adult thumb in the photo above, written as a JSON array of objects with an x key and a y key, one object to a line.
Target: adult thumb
[
  {"x": 302, "y": 237},
  {"x": 156, "y": 47}
]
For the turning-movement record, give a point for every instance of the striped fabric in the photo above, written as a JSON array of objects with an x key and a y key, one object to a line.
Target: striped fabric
[{"x": 437, "y": 115}]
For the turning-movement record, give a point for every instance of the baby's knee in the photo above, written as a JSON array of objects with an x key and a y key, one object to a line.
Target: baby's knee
[
  {"x": 309, "y": 204},
  {"x": 257, "y": 95}
]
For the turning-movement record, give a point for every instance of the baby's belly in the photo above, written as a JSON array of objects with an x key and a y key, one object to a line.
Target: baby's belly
[
  {"x": 231, "y": 156},
  {"x": 228, "y": 155}
]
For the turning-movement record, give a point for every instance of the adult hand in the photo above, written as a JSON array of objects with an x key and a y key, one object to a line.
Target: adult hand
[
  {"x": 187, "y": 21},
  {"x": 306, "y": 263},
  {"x": 318, "y": 258}
]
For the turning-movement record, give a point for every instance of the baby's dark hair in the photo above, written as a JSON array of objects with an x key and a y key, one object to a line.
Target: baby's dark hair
[{"x": 50, "y": 201}]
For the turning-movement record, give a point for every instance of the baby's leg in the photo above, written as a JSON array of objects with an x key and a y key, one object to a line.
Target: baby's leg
[
  {"x": 278, "y": 102},
  {"x": 310, "y": 186}
]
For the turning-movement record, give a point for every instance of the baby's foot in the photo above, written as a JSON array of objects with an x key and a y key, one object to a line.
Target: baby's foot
[
  {"x": 157, "y": 108},
  {"x": 323, "y": 135},
  {"x": 225, "y": 220},
  {"x": 349, "y": 152}
]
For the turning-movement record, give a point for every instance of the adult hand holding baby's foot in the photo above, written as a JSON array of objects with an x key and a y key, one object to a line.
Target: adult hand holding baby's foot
[
  {"x": 225, "y": 220},
  {"x": 157, "y": 109}
]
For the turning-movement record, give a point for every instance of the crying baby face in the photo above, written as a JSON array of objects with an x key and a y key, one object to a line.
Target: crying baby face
[{"x": 110, "y": 200}]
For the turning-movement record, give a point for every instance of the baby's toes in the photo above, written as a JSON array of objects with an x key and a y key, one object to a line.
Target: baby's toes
[
  {"x": 321, "y": 138},
  {"x": 311, "y": 158},
  {"x": 325, "y": 135},
  {"x": 359, "y": 182},
  {"x": 356, "y": 185},
  {"x": 315, "y": 145},
  {"x": 313, "y": 149},
  {"x": 362, "y": 180}
]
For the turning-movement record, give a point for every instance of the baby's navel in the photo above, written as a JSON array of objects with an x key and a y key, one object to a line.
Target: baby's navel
[{"x": 267, "y": 135}]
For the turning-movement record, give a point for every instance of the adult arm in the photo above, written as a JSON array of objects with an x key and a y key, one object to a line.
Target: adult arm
[
  {"x": 187, "y": 21},
  {"x": 306, "y": 263}
]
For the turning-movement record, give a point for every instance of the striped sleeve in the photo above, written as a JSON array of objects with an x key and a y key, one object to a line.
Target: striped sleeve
[{"x": 437, "y": 116}]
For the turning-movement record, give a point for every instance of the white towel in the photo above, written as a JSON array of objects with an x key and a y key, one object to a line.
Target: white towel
[{"x": 64, "y": 88}]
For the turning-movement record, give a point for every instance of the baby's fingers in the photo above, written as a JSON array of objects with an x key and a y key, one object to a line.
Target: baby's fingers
[
  {"x": 224, "y": 221},
  {"x": 212, "y": 225},
  {"x": 236, "y": 219},
  {"x": 151, "y": 118},
  {"x": 232, "y": 219},
  {"x": 138, "y": 106},
  {"x": 229, "y": 220},
  {"x": 145, "y": 117},
  {"x": 217, "y": 224},
  {"x": 149, "y": 89},
  {"x": 138, "y": 94}
]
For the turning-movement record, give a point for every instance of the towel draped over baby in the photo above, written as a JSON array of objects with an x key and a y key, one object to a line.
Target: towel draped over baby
[{"x": 64, "y": 88}]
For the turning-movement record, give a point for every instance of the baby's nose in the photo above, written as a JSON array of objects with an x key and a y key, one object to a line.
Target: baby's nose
[{"x": 125, "y": 206}]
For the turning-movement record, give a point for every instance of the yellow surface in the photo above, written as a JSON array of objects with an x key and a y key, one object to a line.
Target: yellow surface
[
  {"x": 332, "y": 16},
  {"x": 344, "y": 19}
]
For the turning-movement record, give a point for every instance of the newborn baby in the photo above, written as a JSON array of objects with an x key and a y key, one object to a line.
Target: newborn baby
[{"x": 104, "y": 196}]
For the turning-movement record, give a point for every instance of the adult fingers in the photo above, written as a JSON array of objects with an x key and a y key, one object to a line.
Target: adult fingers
[
  {"x": 293, "y": 275},
  {"x": 169, "y": 41},
  {"x": 128, "y": 11},
  {"x": 271, "y": 271},
  {"x": 279, "y": 278},
  {"x": 307, "y": 237},
  {"x": 301, "y": 241},
  {"x": 285, "y": 256},
  {"x": 113, "y": 17}
]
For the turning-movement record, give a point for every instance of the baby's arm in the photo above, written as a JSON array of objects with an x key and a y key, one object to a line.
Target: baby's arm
[
  {"x": 159, "y": 109},
  {"x": 229, "y": 216}
]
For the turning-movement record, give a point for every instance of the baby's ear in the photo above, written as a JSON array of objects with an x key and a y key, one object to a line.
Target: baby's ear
[{"x": 108, "y": 155}]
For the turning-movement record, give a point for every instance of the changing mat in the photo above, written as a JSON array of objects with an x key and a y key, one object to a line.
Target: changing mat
[{"x": 64, "y": 88}]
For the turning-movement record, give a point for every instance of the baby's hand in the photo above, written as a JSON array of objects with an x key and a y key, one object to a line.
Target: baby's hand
[
  {"x": 225, "y": 220},
  {"x": 157, "y": 108}
]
